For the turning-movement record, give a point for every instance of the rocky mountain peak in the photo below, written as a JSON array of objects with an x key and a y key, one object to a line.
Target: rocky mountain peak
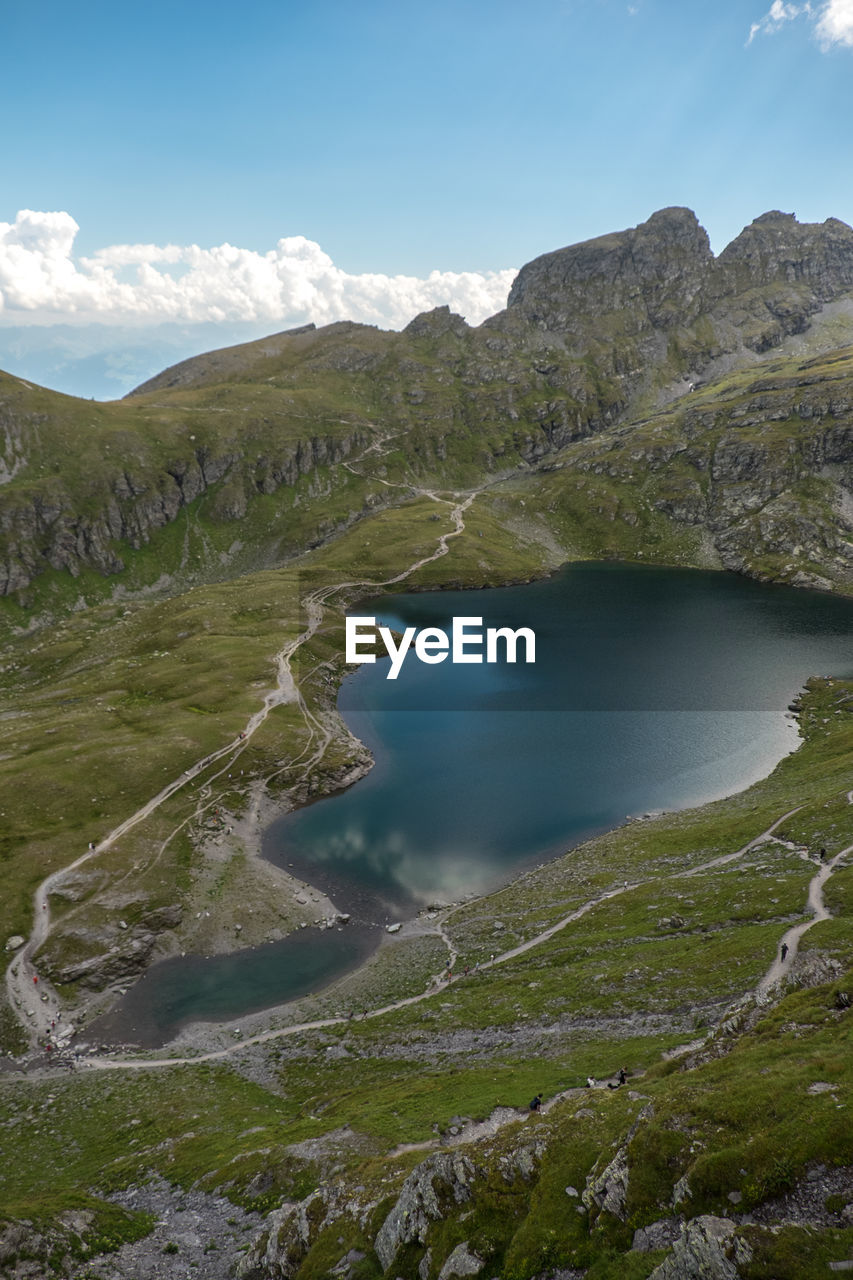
[
  {"x": 436, "y": 323},
  {"x": 654, "y": 270},
  {"x": 777, "y": 249}
]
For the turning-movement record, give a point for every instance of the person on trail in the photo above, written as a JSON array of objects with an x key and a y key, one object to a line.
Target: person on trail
[
  {"x": 784, "y": 949},
  {"x": 623, "y": 1075},
  {"x": 35, "y": 979},
  {"x": 536, "y": 1103}
]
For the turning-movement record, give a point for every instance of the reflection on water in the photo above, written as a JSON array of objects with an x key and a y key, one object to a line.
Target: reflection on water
[{"x": 652, "y": 689}]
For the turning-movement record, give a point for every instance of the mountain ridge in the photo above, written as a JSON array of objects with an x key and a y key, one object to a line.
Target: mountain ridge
[
  {"x": 167, "y": 557},
  {"x": 593, "y": 336}
]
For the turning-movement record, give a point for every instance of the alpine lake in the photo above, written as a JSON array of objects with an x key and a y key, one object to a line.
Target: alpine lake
[{"x": 653, "y": 689}]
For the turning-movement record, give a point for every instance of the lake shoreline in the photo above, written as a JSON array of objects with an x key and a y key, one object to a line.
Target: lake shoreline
[{"x": 264, "y": 810}]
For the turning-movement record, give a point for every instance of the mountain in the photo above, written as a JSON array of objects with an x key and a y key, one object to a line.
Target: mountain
[
  {"x": 594, "y": 337},
  {"x": 175, "y": 570}
]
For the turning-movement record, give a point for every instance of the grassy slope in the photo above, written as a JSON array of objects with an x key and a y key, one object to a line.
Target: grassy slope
[
  {"x": 624, "y": 963},
  {"x": 447, "y": 409},
  {"x": 151, "y": 687}
]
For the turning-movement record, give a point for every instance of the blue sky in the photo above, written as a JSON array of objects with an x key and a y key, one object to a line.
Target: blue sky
[{"x": 457, "y": 137}]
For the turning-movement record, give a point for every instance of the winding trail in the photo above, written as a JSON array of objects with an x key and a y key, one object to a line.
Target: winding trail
[
  {"x": 37, "y": 1004},
  {"x": 789, "y": 942},
  {"x": 33, "y": 999},
  {"x": 437, "y": 985}
]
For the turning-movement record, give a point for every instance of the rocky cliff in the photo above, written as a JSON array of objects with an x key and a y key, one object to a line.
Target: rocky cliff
[{"x": 593, "y": 337}]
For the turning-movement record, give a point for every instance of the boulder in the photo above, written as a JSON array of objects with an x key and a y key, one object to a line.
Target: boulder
[
  {"x": 461, "y": 1262},
  {"x": 441, "y": 1180},
  {"x": 706, "y": 1250}
]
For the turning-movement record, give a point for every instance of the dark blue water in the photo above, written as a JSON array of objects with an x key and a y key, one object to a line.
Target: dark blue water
[{"x": 652, "y": 689}]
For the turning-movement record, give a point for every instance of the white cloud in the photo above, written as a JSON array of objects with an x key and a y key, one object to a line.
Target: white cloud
[
  {"x": 778, "y": 14},
  {"x": 42, "y": 282},
  {"x": 835, "y": 23},
  {"x": 832, "y": 20}
]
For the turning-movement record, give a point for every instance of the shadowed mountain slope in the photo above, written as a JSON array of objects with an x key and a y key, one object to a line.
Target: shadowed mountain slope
[{"x": 253, "y": 447}]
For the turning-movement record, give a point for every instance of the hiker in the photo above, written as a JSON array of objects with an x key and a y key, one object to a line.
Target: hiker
[
  {"x": 590, "y": 1082},
  {"x": 784, "y": 949},
  {"x": 823, "y": 855},
  {"x": 623, "y": 1075},
  {"x": 536, "y": 1103}
]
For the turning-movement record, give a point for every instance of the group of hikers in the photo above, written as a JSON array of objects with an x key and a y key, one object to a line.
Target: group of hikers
[{"x": 621, "y": 1078}]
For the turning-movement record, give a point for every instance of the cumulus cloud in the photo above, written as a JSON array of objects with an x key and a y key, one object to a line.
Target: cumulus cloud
[
  {"x": 832, "y": 20},
  {"x": 835, "y": 23},
  {"x": 42, "y": 282}
]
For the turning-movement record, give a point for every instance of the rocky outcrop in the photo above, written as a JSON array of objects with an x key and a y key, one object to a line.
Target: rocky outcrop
[
  {"x": 48, "y": 528},
  {"x": 607, "y": 1191},
  {"x": 461, "y": 1262},
  {"x": 778, "y": 250},
  {"x": 282, "y": 1246},
  {"x": 441, "y": 1188},
  {"x": 708, "y": 1249},
  {"x": 123, "y": 952},
  {"x": 442, "y": 1180},
  {"x": 590, "y": 333},
  {"x": 649, "y": 277}
]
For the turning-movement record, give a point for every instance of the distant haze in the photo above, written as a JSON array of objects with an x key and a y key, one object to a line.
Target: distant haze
[{"x": 99, "y": 325}]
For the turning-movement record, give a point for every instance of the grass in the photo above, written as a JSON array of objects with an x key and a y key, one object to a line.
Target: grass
[
  {"x": 153, "y": 685},
  {"x": 746, "y": 1108}
]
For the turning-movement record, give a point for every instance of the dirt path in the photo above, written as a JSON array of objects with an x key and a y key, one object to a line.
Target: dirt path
[
  {"x": 34, "y": 1000},
  {"x": 438, "y": 983},
  {"x": 789, "y": 942}
]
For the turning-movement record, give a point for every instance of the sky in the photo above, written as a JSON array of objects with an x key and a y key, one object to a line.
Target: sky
[{"x": 184, "y": 175}]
